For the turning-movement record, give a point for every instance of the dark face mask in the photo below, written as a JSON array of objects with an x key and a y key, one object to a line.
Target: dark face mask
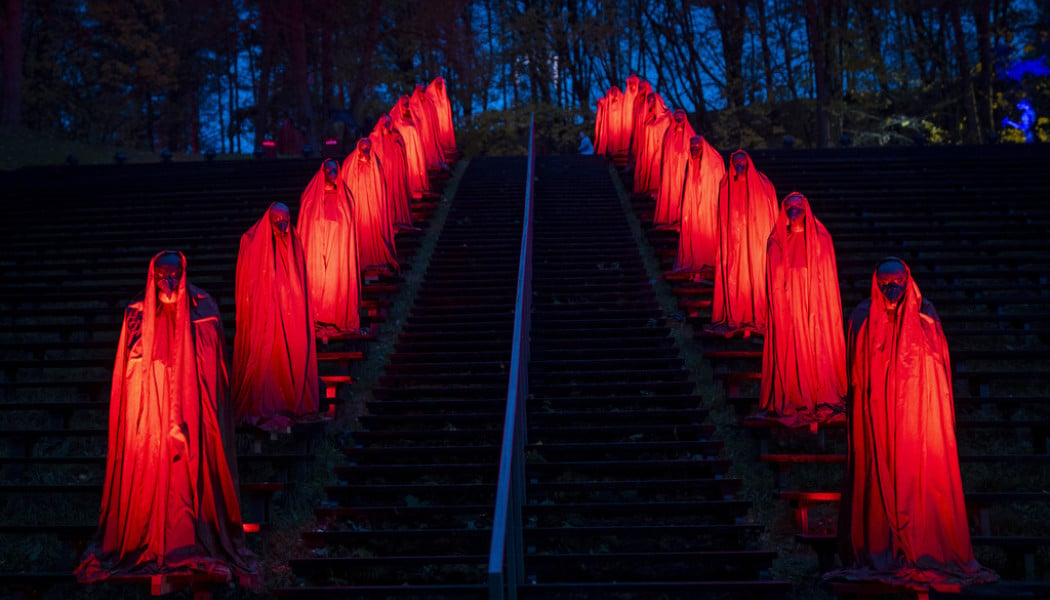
[{"x": 892, "y": 291}]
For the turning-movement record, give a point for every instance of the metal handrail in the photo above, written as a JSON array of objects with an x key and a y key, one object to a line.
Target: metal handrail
[{"x": 507, "y": 551}]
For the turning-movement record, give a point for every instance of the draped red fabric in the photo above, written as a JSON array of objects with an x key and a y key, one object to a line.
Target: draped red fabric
[
  {"x": 329, "y": 237},
  {"x": 415, "y": 154},
  {"x": 606, "y": 121},
  {"x": 420, "y": 104},
  {"x": 804, "y": 352},
  {"x": 747, "y": 208},
  {"x": 643, "y": 110},
  {"x": 373, "y": 213},
  {"x": 274, "y": 351},
  {"x": 638, "y": 110},
  {"x": 649, "y": 149},
  {"x": 902, "y": 517},
  {"x": 621, "y": 113},
  {"x": 415, "y": 108},
  {"x": 673, "y": 161},
  {"x": 698, "y": 234},
  {"x": 437, "y": 92},
  {"x": 389, "y": 148},
  {"x": 169, "y": 501}
]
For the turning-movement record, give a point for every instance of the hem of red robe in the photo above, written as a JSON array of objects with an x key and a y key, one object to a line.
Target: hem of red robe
[
  {"x": 93, "y": 570},
  {"x": 823, "y": 414},
  {"x": 914, "y": 578}
]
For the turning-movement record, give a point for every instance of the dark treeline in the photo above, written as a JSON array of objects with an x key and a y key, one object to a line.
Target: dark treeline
[{"x": 198, "y": 74}]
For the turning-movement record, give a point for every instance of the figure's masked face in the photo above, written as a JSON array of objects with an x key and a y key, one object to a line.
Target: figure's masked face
[
  {"x": 632, "y": 83},
  {"x": 679, "y": 118},
  {"x": 892, "y": 279},
  {"x": 167, "y": 272},
  {"x": 280, "y": 219},
  {"x": 385, "y": 122},
  {"x": 365, "y": 147},
  {"x": 795, "y": 208},
  {"x": 331, "y": 171},
  {"x": 739, "y": 165},
  {"x": 696, "y": 147}
]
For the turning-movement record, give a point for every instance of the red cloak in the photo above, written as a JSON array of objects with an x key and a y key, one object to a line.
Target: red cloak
[
  {"x": 415, "y": 156},
  {"x": 606, "y": 121},
  {"x": 902, "y": 515},
  {"x": 438, "y": 95},
  {"x": 649, "y": 150},
  {"x": 274, "y": 351},
  {"x": 698, "y": 234},
  {"x": 673, "y": 160},
  {"x": 747, "y": 208},
  {"x": 424, "y": 112},
  {"x": 329, "y": 238},
  {"x": 638, "y": 108},
  {"x": 412, "y": 112},
  {"x": 169, "y": 501},
  {"x": 373, "y": 213},
  {"x": 389, "y": 148},
  {"x": 804, "y": 352}
]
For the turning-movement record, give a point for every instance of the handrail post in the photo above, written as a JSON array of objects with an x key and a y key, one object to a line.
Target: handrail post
[{"x": 507, "y": 548}]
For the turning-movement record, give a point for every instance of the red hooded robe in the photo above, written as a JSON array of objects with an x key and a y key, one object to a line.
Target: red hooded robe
[
  {"x": 389, "y": 148},
  {"x": 747, "y": 209},
  {"x": 169, "y": 501},
  {"x": 329, "y": 237},
  {"x": 673, "y": 162},
  {"x": 606, "y": 121},
  {"x": 438, "y": 95},
  {"x": 274, "y": 351},
  {"x": 804, "y": 354},
  {"x": 426, "y": 113},
  {"x": 698, "y": 234},
  {"x": 902, "y": 516},
  {"x": 649, "y": 151},
  {"x": 415, "y": 154},
  {"x": 373, "y": 213}
]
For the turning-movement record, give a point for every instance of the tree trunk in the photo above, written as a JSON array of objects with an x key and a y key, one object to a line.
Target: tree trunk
[
  {"x": 981, "y": 17},
  {"x": 815, "y": 31},
  {"x": 971, "y": 133},
  {"x": 297, "y": 39},
  {"x": 11, "y": 48},
  {"x": 767, "y": 53}
]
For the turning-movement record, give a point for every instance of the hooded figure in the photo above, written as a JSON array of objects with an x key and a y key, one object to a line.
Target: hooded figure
[
  {"x": 606, "y": 121},
  {"x": 329, "y": 237},
  {"x": 274, "y": 351},
  {"x": 424, "y": 112},
  {"x": 698, "y": 233},
  {"x": 389, "y": 148},
  {"x": 373, "y": 211},
  {"x": 804, "y": 356},
  {"x": 438, "y": 95},
  {"x": 407, "y": 113},
  {"x": 902, "y": 516},
  {"x": 673, "y": 161},
  {"x": 649, "y": 150},
  {"x": 747, "y": 208},
  {"x": 415, "y": 153},
  {"x": 169, "y": 501}
]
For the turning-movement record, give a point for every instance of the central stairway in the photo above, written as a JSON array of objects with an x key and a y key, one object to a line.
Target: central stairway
[
  {"x": 627, "y": 492},
  {"x": 412, "y": 514}
]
